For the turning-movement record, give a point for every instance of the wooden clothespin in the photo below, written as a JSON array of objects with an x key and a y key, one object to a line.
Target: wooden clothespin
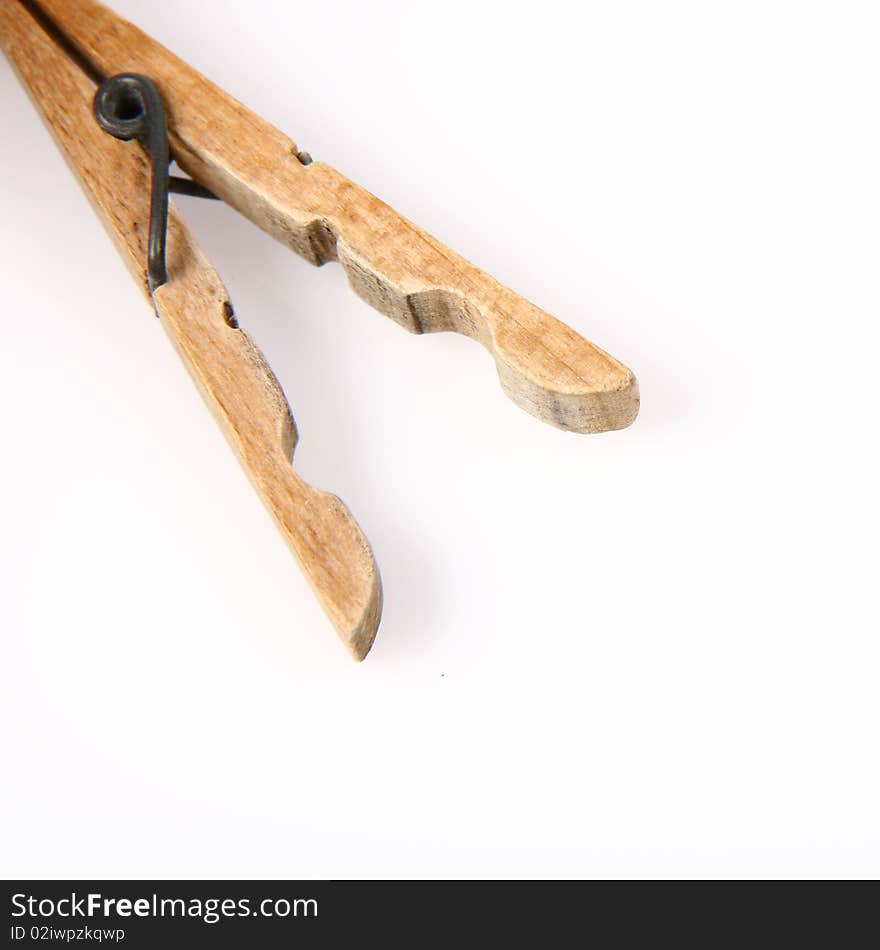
[{"x": 63, "y": 50}]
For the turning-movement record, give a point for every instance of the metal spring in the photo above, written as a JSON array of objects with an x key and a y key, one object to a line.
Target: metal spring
[{"x": 128, "y": 106}]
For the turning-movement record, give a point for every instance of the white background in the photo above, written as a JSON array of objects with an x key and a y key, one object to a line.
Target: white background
[{"x": 645, "y": 653}]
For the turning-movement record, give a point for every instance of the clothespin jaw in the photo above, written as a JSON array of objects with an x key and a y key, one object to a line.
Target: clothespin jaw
[
  {"x": 193, "y": 306},
  {"x": 543, "y": 365}
]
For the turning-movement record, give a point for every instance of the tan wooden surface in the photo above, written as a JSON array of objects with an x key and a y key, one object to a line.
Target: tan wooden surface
[
  {"x": 230, "y": 371},
  {"x": 543, "y": 365}
]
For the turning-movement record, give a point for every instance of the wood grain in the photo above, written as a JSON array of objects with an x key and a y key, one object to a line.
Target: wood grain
[
  {"x": 543, "y": 365},
  {"x": 229, "y": 370}
]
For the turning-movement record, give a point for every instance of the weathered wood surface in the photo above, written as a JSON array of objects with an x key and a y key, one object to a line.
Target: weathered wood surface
[
  {"x": 193, "y": 306},
  {"x": 543, "y": 365}
]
